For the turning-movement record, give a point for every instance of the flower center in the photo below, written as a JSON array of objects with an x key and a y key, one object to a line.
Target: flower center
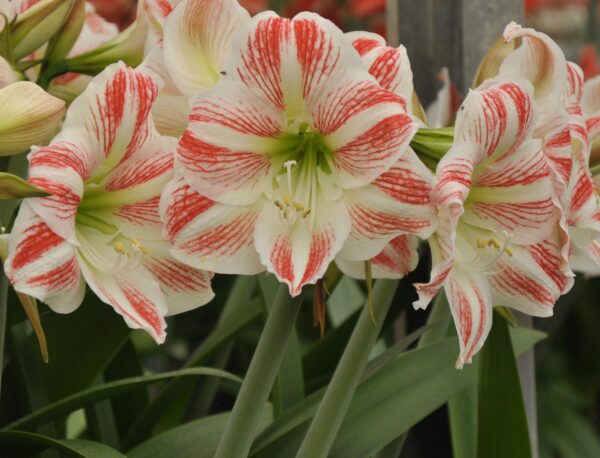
[
  {"x": 484, "y": 260},
  {"x": 306, "y": 164},
  {"x": 102, "y": 243}
]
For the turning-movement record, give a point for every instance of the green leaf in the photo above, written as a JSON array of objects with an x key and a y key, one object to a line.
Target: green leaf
[
  {"x": 14, "y": 187},
  {"x": 126, "y": 407},
  {"x": 238, "y": 312},
  {"x": 17, "y": 443},
  {"x": 462, "y": 410},
  {"x": 404, "y": 391},
  {"x": 304, "y": 410},
  {"x": 502, "y": 421},
  {"x": 289, "y": 384},
  {"x": 197, "y": 439},
  {"x": 94, "y": 394},
  {"x": 81, "y": 345}
]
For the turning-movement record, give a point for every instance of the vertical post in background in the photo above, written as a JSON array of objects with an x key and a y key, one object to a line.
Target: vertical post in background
[
  {"x": 456, "y": 34},
  {"x": 448, "y": 33}
]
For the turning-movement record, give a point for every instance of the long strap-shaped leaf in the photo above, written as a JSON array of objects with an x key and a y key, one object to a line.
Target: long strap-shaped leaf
[
  {"x": 502, "y": 421},
  {"x": 107, "y": 390},
  {"x": 18, "y": 442}
]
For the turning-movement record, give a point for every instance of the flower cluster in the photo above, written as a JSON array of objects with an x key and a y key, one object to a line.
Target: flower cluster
[{"x": 243, "y": 144}]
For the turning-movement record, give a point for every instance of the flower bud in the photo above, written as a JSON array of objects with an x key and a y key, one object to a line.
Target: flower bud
[
  {"x": 28, "y": 116},
  {"x": 491, "y": 62},
  {"x": 38, "y": 25},
  {"x": 8, "y": 75},
  {"x": 127, "y": 46},
  {"x": 67, "y": 36},
  {"x": 15, "y": 187}
]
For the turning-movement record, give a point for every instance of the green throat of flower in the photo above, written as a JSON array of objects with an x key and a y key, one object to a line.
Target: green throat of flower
[
  {"x": 93, "y": 215},
  {"x": 304, "y": 160}
]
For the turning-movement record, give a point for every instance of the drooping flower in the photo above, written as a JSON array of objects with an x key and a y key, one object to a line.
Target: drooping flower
[
  {"x": 101, "y": 226},
  {"x": 295, "y": 157},
  {"x": 498, "y": 241}
]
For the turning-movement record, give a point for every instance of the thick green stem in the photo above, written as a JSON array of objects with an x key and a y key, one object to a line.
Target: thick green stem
[
  {"x": 250, "y": 403},
  {"x": 335, "y": 402}
]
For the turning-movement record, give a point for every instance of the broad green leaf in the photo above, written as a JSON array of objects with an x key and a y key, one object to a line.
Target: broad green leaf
[
  {"x": 61, "y": 408},
  {"x": 197, "y": 439},
  {"x": 14, "y": 187},
  {"x": 304, "y": 410},
  {"x": 27, "y": 367},
  {"x": 404, "y": 391},
  {"x": 289, "y": 384},
  {"x": 18, "y": 443},
  {"x": 126, "y": 407},
  {"x": 238, "y": 312},
  {"x": 502, "y": 421},
  {"x": 462, "y": 412},
  {"x": 101, "y": 423},
  {"x": 81, "y": 345},
  {"x": 462, "y": 408}
]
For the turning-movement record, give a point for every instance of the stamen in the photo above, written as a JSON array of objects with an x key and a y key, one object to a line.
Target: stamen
[
  {"x": 480, "y": 264},
  {"x": 288, "y": 166}
]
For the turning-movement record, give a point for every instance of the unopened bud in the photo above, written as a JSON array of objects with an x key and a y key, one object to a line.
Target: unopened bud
[
  {"x": 127, "y": 46},
  {"x": 37, "y": 25},
  {"x": 15, "y": 187},
  {"x": 28, "y": 116},
  {"x": 491, "y": 62},
  {"x": 64, "y": 40}
]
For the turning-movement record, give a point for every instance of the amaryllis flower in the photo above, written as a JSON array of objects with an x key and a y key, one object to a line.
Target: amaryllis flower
[
  {"x": 498, "y": 241},
  {"x": 296, "y": 156},
  {"x": 105, "y": 172},
  {"x": 192, "y": 39}
]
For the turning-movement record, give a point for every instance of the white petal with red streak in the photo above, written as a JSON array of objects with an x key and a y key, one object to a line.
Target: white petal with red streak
[
  {"x": 390, "y": 66},
  {"x": 366, "y": 127},
  {"x": 197, "y": 40},
  {"x": 288, "y": 61},
  {"x": 515, "y": 195},
  {"x": 114, "y": 111},
  {"x": 443, "y": 247},
  {"x": 135, "y": 295},
  {"x": 470, "y": 302},
  {"x": 185, "y": 287},
  {"x": 209, "y": 235},
  {"x": 61, "y": 169},
  {"x": 498, "y": 117},
  {"x": 396, "y": 260},
  {"x": 398, "y": 202},
  {"x": 530, "y": 280},
  {"x": 298, "y": 254},
  {"x": 42, "y": 264},
  {"x": 225, "y": 151},
  {"x": 539, "y": 60}
]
